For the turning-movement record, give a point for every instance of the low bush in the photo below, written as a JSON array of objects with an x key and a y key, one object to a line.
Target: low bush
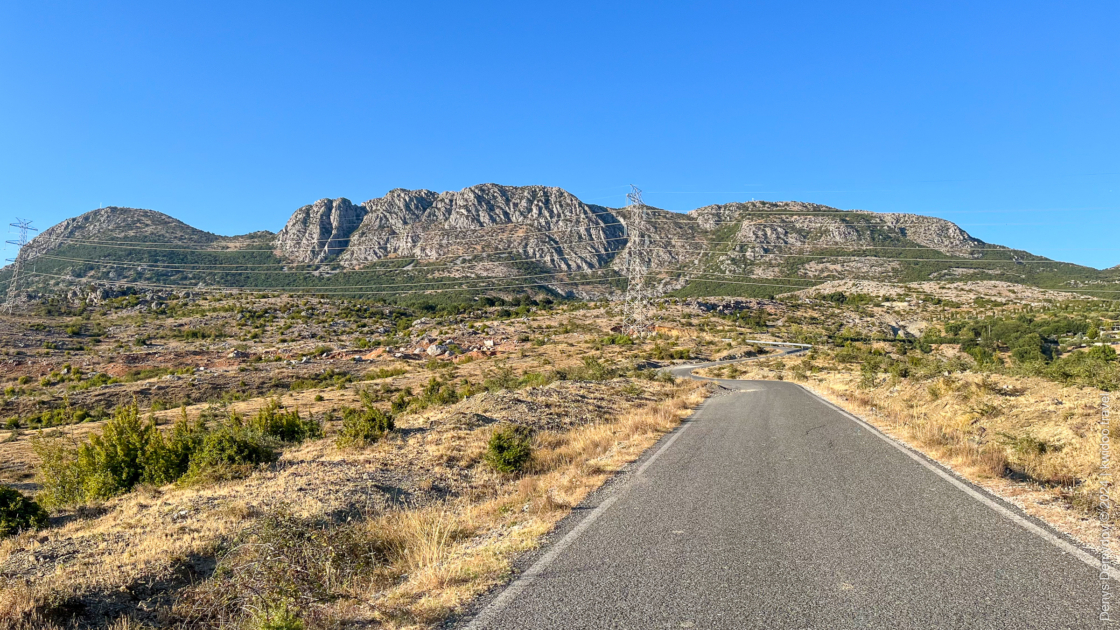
[
  {"x": 279, "y": 572},
  {"x": 130, "y": 451},
  {"x": 62, "y": 416},
  {"x": 169, "y": 456},
  {"x": 19, "y": 513},
  {"x": 286, "y": 426},
  {"x": 664, "y": 353},
  {"x": 437, "y": 392},
  {"x": 510, "y": 448},
  {"x": 592, "y": 370},
  {"x": 615, "y": 340},
  {"x": 110, "y": 463},
  {"x": 1103, "y": 353},
  {"x": 365, "y": 425},
  {"x": 228, "y": 452}
]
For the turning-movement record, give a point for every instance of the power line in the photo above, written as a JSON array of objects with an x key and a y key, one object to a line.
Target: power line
[
  {"x": 327, "y": 290},
  {"x": 567, "y": 244},
  {"x": 144, "y": 246},
  {"x": 359, "y": 290},
  {"x": 637, "y": 234},
  {"x": 680, "y": 218},
  {"x": 542, "y": 275}
]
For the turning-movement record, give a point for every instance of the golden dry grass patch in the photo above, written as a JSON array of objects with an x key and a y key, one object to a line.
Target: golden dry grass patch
[{"x": 452, "y": 545}]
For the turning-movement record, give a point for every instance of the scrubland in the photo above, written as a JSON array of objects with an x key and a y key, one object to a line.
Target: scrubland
[{"x": 262, "y": 462}]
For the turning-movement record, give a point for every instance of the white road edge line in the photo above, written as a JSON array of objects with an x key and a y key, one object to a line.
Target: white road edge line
[
  {"x": 528, "y": 577},
  {"x": 1026, "y": 524}
]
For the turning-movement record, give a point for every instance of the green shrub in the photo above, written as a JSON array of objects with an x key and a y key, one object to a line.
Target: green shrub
[
  {"x": 18, "y": 513},
  {"x": 592, "y": 370},
  {"x": 286, "y": 426},
  {"x": 401, "y": 402},
  {"x": 229, "y": 452},
  {"x": 616, "y": 340},
  {"x": 364, "y": 426},
  {"x": 509, "y": 448},
  {"x": 1103, "y": 353},
  {"x": 169, "y": 457},
  {"x": 379, "y": 373},
  {"x": 110, "y": 463},
  {"x": 130, "y": 451},
  {"x": 868, "y": 372},
  {"x": 282, "y": 619},
  {"x": 440, "y": 392}
]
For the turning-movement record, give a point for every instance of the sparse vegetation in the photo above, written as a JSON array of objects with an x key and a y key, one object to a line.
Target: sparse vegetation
[
  {"x": 535, "y": 405},
  {"x": 287, "y": 426},
  {"x": 510, "y": 448},
  {"x": 365, "y": 425},
  {"x": 129, "y": 451},
  {"x": 19, "y": 513}
]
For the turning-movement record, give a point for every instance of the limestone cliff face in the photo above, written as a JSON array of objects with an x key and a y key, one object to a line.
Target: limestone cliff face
[
  {"x": 319, "y": 231},
  {"x": 767, "y": 225},
  {"x": 939, "y": 234},
  {"x": 546, "y": 225},
  {"x": 552, "y": 227}
]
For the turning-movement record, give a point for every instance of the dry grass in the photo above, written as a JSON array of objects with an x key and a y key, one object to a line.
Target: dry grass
[
  {"x": 424, "y": 550},
  {"x": 446, "y": 569}
]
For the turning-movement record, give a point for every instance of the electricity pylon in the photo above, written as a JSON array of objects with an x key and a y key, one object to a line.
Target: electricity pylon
[
  {"x": 24, "y": 226},
  {"x": 636, "y": 308}
]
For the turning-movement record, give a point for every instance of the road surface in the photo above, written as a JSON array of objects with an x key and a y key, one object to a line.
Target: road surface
[{"x": 771, "y": 509}]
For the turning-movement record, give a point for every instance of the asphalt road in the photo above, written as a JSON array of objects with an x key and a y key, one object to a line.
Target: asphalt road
[{"x": 771, "y": 509}]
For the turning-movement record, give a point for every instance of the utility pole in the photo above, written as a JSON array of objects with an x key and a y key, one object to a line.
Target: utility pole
[
  {"x": 636, "y": 310},
  {"x": 24, "y": 226}
]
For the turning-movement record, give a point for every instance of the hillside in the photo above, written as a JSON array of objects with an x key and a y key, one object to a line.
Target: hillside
[{"x": 505, "y": 238}]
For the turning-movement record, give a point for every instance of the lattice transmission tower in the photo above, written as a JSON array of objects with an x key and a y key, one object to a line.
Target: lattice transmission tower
[
  {"x": 636, "y": 318},
  {"x": 24, "y": 226}
]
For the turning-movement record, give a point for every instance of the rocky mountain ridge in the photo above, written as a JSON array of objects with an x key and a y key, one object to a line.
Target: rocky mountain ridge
[
  {"x": 501, "y": 229},
  {"x": 548, "y": 225}
]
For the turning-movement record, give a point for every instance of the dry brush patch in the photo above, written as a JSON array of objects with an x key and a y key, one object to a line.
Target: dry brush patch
[{"x": 401, "y": 533}]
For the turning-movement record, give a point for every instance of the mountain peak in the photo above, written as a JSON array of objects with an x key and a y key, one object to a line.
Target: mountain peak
[{"x": 113, "y": 223}]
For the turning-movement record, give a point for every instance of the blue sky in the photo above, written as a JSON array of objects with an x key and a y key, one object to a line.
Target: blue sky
[{"x": 1001, "y": 116}]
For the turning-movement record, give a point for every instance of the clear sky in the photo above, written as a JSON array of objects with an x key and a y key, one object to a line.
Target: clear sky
[{"x": 1001, "y": 116}]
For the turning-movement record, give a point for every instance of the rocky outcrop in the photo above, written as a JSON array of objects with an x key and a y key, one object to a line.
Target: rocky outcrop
[
  {"x": 319, "y": 231},
  {"x": 548, "y": 226},
  {"x": 105, "y": 226},
  {"x": 939, "y": 234},
  {"x": 791, "y": 223}
]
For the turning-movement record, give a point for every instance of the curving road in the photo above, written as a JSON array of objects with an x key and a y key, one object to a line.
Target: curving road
[{"x": 772, "y": 509}]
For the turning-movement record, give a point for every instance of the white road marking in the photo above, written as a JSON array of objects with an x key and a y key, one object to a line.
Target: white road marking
[
  {"x": 1025, "y": 523},
  {"x": 528, "y": 577}
]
